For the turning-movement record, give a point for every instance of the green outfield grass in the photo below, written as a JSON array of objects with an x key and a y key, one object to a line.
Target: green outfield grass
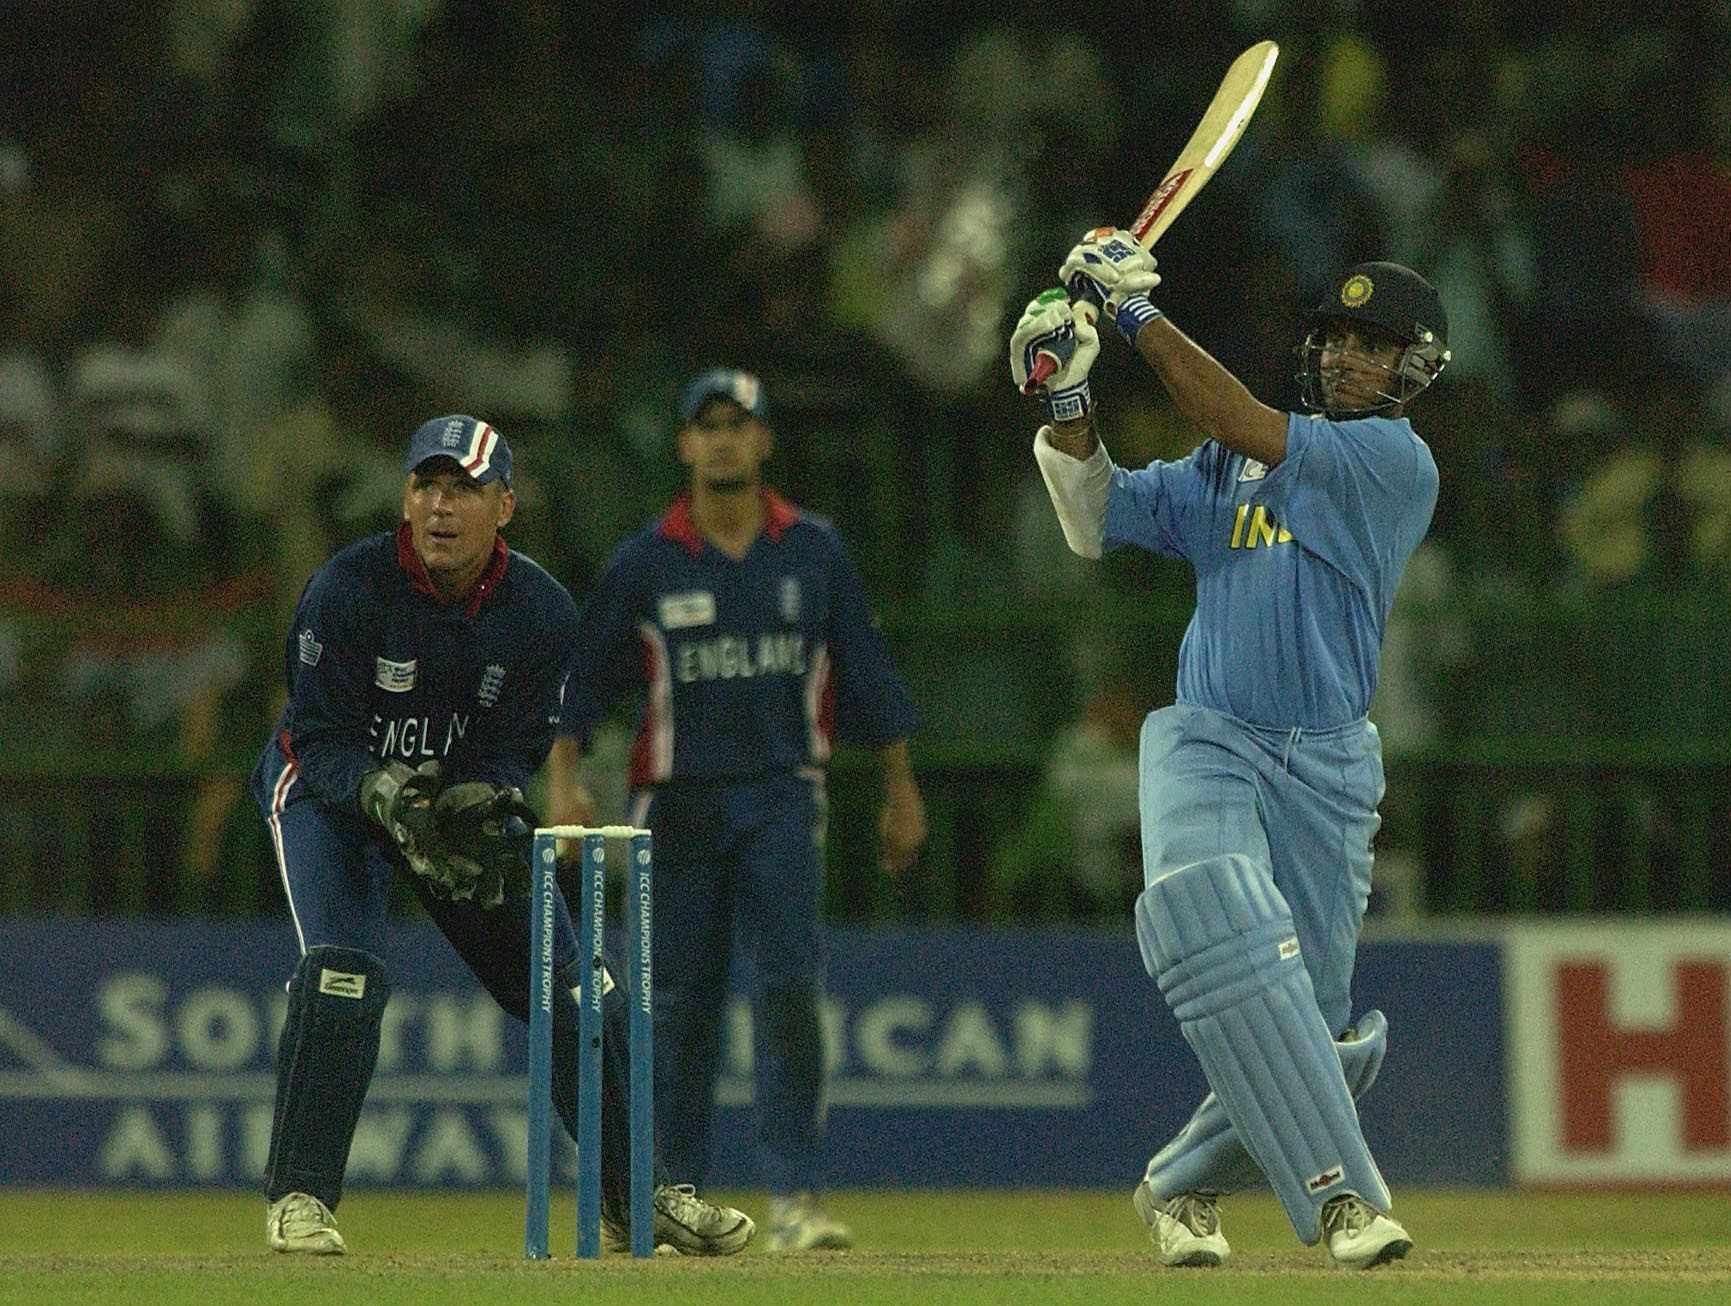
[{"x": 1020, "y": 1248}]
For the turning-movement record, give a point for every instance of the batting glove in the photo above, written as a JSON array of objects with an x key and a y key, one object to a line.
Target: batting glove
[
  {"x": 1110, "y": 270},
  {"x": 1051, "y": 326}
]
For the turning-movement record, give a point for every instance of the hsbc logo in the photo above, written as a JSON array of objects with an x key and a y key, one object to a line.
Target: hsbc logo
[{"x": 1620, "y": 1054}]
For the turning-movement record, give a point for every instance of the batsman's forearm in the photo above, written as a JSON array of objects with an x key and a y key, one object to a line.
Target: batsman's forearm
[
  {"x": 1210, "y": 396},
  {"x": 1075, "y": 438}
]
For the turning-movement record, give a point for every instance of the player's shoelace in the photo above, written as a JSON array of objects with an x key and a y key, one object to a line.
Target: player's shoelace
[
  {"x": 1351, "y": 1215},
  {"x": 1198, "y": 1214},
  {"x": 680, "y": 1202},
  {"x": 304, "y": 1214}
]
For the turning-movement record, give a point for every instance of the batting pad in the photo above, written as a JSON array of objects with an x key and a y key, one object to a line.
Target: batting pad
[
  {"x": 1218, "y": 938},
  {"x": 615, "y": 1081},
  {"x": 330, "y": 1043},
  {"x": 1206, "y": 1156}
]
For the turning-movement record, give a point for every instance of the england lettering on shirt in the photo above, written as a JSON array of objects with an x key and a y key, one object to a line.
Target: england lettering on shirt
[
  {"x": 736, "y": 657},
  {"x": 415, "y": 736}
]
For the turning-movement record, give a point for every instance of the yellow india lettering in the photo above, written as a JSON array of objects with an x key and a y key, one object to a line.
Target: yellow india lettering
[
  {"x": 1261, "y": 527},
  {"x": 1251, "y": 528}
]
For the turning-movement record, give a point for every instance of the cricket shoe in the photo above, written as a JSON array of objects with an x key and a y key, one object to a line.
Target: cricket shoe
[
  {"x": 687, "y": 1224},
  {"x": 1185, "y": 1229},
  {"x": 616, "y": 1237},
  {"x": 300, "y": 1222},
  {"x": 799, "y": 1224},
  {"x": 1359, "y": 1236}
]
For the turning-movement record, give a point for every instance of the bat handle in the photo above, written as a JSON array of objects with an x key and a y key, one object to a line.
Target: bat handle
[{"x": 1045, "y": 363}]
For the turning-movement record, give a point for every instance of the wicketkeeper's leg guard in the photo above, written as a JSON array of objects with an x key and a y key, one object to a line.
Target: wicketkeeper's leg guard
[
  {"x": 1218, "y": 937},
  {"x": 615, "y": 1084},
  {"x": 330, "y": 1043}
]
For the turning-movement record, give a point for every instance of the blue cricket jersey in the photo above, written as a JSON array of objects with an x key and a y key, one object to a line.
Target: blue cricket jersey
[
  {"x": 1296, "y": 565},
  {"x": 742, "y": 668},
  {"x": 379, "y": 669}
]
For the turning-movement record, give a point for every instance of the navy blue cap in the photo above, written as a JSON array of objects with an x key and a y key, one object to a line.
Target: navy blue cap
[
  {"x": 723, "y": 383},
  {"x": 476, "y": 447}
]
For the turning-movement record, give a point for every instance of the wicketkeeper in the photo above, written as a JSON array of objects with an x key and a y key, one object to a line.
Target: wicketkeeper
[{"x": 425, "y": 669}]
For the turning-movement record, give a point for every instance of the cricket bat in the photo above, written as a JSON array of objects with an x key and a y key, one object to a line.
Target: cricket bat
[{"x": 1223, "y": 122}]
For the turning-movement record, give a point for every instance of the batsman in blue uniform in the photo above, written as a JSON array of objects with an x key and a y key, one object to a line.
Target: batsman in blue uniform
[
  {"x": 1260, "y": 784},
  {"x": 743, "y": 629},
  {"x": 425, "y": 667}
]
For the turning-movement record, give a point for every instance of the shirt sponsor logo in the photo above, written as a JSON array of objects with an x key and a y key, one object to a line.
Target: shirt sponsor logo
[
  {"x": 394, "y": 677},
  {"x": 492, "y": 680},
  {"x": 679, "y": 611},
  {"x": 311, "y": 649}
]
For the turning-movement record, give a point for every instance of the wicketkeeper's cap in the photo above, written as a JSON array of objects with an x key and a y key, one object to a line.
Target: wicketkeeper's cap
[
  {"x": 723, "y": 383},
  {"x": 476, "y": 447}
]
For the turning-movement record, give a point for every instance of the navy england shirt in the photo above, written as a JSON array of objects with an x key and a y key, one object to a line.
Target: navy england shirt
[
  {"x": 379, "y": 669},
  {"x": 742, "y": 668}
]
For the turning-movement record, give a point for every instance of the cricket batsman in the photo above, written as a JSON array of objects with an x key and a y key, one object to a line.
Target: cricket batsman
[{"x": 1260, "y": 784}]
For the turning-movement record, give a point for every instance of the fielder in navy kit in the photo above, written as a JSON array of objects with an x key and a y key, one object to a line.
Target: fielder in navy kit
[
  {"x": 743, "y": 628},
  {"x": 1259, "y": 786},
  {"x": 425, "y": 668}
]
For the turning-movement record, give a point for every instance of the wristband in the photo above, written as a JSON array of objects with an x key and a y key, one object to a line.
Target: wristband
[
  {"x": 1136, "y": 312},
  {"x": 1070, "y": 404}
]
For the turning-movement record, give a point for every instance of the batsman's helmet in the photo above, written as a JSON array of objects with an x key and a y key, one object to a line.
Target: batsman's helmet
[{"x": 1390, "y": 298}]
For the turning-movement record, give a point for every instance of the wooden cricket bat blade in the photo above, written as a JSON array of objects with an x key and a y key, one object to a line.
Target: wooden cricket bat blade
[
  {"x": 1223, "y": 123},
  {"x": 1221, "y": 128}
]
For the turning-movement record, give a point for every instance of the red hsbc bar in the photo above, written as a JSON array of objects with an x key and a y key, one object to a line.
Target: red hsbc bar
[{"x": 1619, "y": 1054}]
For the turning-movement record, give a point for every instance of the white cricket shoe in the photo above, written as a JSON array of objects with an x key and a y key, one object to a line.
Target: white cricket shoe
[
  {"x": 617, "y": 1238},
  {"x": 1359, "y": 1236},
  {"x": 300, "y": 1222},
  {"x": 687, "y": 1224},
  {"x": 1185, "y": 1229},
  {"x": 799, "y": 1224}
]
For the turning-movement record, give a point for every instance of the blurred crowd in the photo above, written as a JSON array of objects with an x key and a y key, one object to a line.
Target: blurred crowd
[{"x": 247, "y": 245}]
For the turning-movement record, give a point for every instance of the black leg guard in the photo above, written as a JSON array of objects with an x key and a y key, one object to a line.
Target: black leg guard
[
  {"x": 615, "y": 1086},
  {"x": 330, "y": 1043}
]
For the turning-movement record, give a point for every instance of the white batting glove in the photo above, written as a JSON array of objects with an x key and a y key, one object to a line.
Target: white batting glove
[
  {"x": 1064, "y": 336},
  {"x": 1110, "y": 269}
]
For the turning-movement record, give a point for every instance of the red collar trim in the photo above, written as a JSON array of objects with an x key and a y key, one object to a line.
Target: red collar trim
[
  {"x": 416, "y": 570},
  {"x": 680, "y": 527}
]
